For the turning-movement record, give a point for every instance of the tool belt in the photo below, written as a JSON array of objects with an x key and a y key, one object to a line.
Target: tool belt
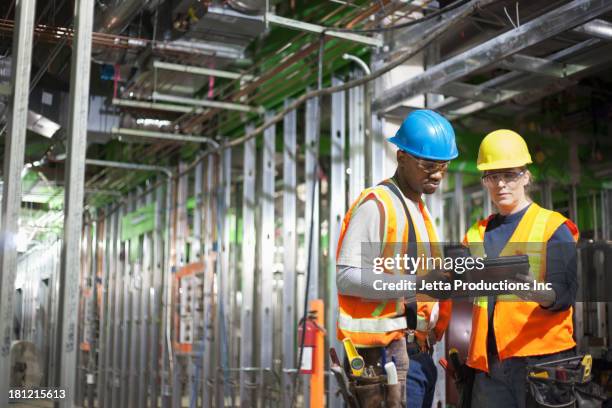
[
  {"x": 371, "y": 388},
  {"x": 563, "y": 383},
  {"x": 374, "y": 392}
]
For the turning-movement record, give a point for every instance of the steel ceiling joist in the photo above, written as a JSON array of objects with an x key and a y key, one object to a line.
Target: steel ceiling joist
[
  {"x": 129, "y": 103},
  {"x": 128, "y": 166},
  {"x": 546, "y": 26},
  {"x": 163, "y": 135},
  {"x": 317, "y": 29},
  {"x": 540, "y": 66},
  {"x": 207, "y": 103},
  {"x": 190, "y": 69},
  {"x": 474, "y": 92},
  {"x": 530, "y": 87}
]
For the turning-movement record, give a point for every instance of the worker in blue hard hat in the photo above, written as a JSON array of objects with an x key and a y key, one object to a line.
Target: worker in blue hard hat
[{"x": 386, "y": 220}]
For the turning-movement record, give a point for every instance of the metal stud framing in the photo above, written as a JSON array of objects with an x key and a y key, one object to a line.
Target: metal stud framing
[
  {"x": 289, "y": 235},
  {"x": 266, "y": 255},
  {"x": 14, "y": 150},
  {"x": 357, "y": 142},
  {"x": 73, "y": 199},
  {"x": 336, "y": 213},
  {"x": 248, "y": 271},
  {"x": 312, "y": 192}
]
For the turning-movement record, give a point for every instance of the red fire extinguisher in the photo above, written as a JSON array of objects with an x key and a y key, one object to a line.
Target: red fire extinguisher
[{"x": 310, "y": 341}]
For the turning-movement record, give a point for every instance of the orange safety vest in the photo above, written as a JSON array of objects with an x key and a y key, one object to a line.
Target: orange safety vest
[
  {"x": 522, "y": 328},
  {"x": 373, "y": 324}
]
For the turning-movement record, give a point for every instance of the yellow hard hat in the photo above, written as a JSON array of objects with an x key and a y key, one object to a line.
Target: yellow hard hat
[{"x": 502, "y": 149}]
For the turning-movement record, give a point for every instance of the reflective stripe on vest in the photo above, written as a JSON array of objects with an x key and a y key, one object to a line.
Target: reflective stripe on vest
[
  {"x": 374, "y": 325},
  {"x": 522, "y": 328}
]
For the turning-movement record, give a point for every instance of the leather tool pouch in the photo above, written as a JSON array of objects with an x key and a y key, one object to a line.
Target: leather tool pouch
[{"x": 374, "y": 392}]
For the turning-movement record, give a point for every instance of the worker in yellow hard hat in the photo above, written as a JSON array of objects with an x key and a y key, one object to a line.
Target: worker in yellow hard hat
[{"x": 527, "y": 326}]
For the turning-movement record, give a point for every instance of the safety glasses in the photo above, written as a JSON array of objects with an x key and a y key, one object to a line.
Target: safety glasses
[
  {"x": 430, "y": 166},
  {"x": 508, "y": 177}
]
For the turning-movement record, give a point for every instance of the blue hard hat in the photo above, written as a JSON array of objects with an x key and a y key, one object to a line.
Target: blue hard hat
[{"x": 427, "y": 135}]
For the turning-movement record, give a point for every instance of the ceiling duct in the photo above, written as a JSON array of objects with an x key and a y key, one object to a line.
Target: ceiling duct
[
  {"x": 117, "y": 15},
  {"x": 222, "y": 25},
  {"x": 248, "y": 6}
]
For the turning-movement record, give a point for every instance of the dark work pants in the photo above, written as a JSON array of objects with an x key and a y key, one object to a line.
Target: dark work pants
[
  {"x": 505, "y": 386},
  {"x": 421, "y": 382}
]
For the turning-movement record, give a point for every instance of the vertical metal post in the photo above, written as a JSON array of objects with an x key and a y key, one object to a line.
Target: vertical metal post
[
  {"x": 74, "y": 194},
  {"x": 595, "y": 217},
  {"x": 168, "y": 357},
  {"x": 196, "y": 244},
  {"x": 312, "y": 197},
  {"x": 145, "y": 284},
  {"x": 14, "y": 150},
  {"x": 289, "y": 251},
  {"x": 336, "y": 213},
  {"x": 377, "y": 150},
  {"x": 605, "y": 215},
  {"x": 184, "y": 367},
  {"x": 357, "y": 177},
  {"x": 126, "y": 355},
  {"x": 266, "y": 248},
  {"x": 435, "y": 205},
  {"x": 156, "y": 298},
  {"x": 248, "y": 270},
  {"x": 135, "y": 290},
  {"x": 195, "y": 255},
  {"x": 104, "y": 349},
  {"x": 119, "y": 331},
  {"x": 573, "y": 204},
  {"x": 223, "y": 271},
  {"x": 209, "y": 356},
  {"x": 312, "y": 129}
]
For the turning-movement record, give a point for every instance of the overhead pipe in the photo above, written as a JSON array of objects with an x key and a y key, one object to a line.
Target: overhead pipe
[
  {"x": 358, "y": 61},
  {"x": 207, "y": 103},
  {"x": 597, "y": 28},
  {"x": 117, "y": 16},
  {"x": 163, "y": 135}
]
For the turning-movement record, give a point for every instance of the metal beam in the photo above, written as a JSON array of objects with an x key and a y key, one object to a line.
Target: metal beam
[
  {"x": 539, "y": 66},
  {"x": 190, "y": 69},
  {"x": 511, "y": 78},
  {"x": 317, "y": 29},
  {"x": 473, "y": 92},
  {"x": 73, "y": 199},
  {"x": 502, "y": 46},
  {"x": 207, "y": 103},
  {"x": 163, "y": 135},
  {"x": 130, "y": 103},
  {"x": 128, "y": 166},
  {"x": 529, "y": 93},
  {"x": 14, "y": 151}
]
